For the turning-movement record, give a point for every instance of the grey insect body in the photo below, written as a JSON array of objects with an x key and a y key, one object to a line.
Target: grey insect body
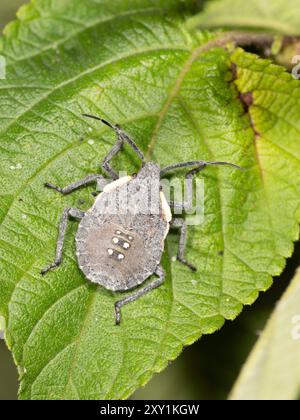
[{"x": 119, "y": 249}]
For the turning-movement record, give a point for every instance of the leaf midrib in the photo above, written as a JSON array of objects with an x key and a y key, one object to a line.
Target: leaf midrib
[{"x": 174, "y": 93}]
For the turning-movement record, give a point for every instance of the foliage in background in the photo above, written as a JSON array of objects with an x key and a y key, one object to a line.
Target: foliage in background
[
  {"x": 279, "y": 16},
  {"x": 180, "y": 100},
  {"x": 273, "y": 369}
]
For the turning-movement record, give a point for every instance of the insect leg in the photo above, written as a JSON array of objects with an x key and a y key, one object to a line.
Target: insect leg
[
  {"x": 122, "y": 138},
  {"x": 181, "y": 224},
  {"x": 198, "y": 166},
  {"x": 81, "y": 183},
  {"x": 74, "y": 213},
  {"x": 113, "y": 152},
  {"x": 154, "y": 285},
  {"x": 188, "y": 204}
]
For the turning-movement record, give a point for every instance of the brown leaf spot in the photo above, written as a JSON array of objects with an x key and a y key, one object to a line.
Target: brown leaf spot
[{"x": 247, "y": 100}]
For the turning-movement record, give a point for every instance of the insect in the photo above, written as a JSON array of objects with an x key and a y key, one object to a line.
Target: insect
[{"x": 119, "y": 249}]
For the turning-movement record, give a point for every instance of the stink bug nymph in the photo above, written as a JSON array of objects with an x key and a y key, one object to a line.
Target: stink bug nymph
[{"x": 119, "y": 249}]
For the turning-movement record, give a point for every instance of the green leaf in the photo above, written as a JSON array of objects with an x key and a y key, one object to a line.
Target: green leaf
[
  {"x": 272, "y": 371},
  {"x": 139, "y": 67},
  {"x": 280, "y": 16}
]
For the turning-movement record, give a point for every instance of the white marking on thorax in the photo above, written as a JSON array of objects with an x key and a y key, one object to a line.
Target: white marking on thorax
[
  {"x": 166, "y": 211},
  {"x": 116, "y": 184},
  {"x": 111, "y": 187}
]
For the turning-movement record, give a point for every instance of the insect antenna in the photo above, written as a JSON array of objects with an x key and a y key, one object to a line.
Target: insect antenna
[
  {"x": 197, "y": 164},
  {"x": 233, "y": 165},
  {"x": 94, "y": 117}
]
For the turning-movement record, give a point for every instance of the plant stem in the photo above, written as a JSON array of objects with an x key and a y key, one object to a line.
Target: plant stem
[{"x": 244, "y": 39}]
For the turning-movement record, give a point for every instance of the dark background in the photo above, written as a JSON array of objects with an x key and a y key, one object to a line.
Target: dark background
[{"x": 206, "y": 370}]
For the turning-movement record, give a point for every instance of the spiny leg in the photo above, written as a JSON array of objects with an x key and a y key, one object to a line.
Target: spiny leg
[
  {"x": 81, "y": 183},
  {"x": 188, "y": 204},
  {"x": 111, "y": 154},
  {"x": 71, "y": 212},
  {"x": 122, "y": 138},
  {"x": 154, "y": 285},
  {"x": 181, "y": 224},
  {"x": 198, "y": 165}
]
